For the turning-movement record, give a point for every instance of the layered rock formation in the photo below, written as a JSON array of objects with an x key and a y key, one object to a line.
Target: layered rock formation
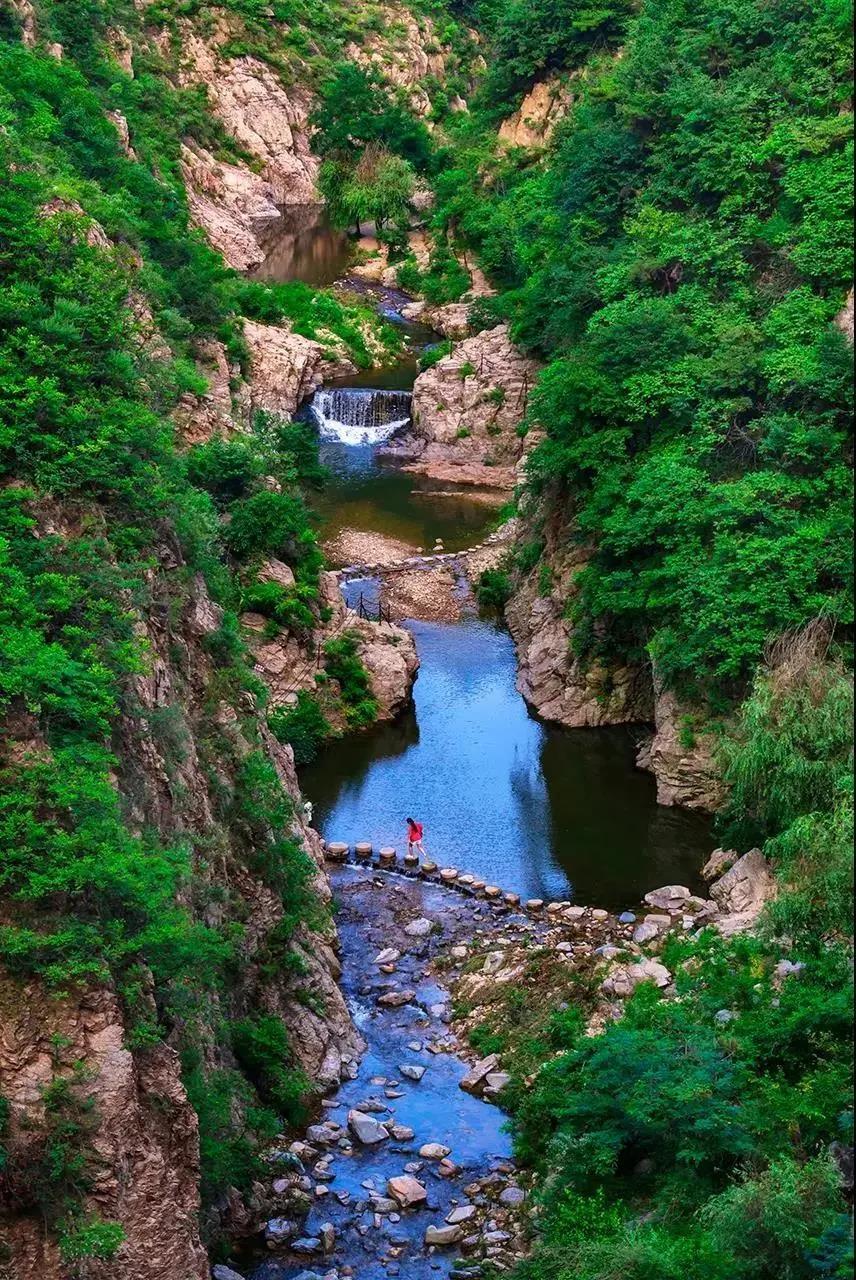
[
  {"x": 680, "y": 751},
  {"x": 466, "y": 410},
  {"x": 288, "y": 664},
  {"x": 681, "y": 754},
  {"x": 145, "y": 1145},
  {"x": 551, "y": 678},
  {"x": 233, "y": 203}
]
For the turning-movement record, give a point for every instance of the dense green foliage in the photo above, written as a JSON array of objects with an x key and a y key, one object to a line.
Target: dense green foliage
[
  {"x": 105, "y": 524},
  {"x": 342, "y": 663},
  {"x": 678, "y": 260},
  {"x": 789, "y": 766},
  {"x": 493, "y": 589},
  {"x": 677, "y": 256},
  {"x": 720, "y": 1127},
  {"x": 304, "y": 727}
]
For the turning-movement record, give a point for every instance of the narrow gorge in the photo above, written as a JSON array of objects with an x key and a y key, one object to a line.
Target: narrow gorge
[{"x": 444, "y": 412}]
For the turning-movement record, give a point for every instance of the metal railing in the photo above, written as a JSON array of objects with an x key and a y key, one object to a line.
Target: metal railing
[{"x": 378, "y": 612}]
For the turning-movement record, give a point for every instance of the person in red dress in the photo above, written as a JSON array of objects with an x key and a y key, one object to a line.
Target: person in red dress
[{"x": 414, "y": 836}]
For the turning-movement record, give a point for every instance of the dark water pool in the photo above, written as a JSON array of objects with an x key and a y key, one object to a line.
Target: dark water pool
[
  {"x": 303, "y": 246},
  {"x": 544, "y": 812},
  {"x": 368, "y": 494}
]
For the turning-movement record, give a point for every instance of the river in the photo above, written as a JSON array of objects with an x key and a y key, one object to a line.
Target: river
[{"x": 541, "y": 811}]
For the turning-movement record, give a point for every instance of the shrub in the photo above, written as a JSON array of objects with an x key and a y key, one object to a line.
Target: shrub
[
  {"x": 261, "y": 1046},
  {"x": 493, "y": 589},
  {"x": 270, "y": 523},
  {"x": 304, "y": 727}
]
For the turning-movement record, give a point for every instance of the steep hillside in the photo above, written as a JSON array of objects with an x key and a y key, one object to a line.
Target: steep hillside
[
  {"x": 680, "y": 258},
  {"x": 169, "y": 998}
]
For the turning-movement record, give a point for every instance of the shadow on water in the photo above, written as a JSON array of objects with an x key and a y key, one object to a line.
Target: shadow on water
[
  {"x": 302, "y": 245},
  {"x": 368, "y": 494},
  {"x": 541, "y": 811}
]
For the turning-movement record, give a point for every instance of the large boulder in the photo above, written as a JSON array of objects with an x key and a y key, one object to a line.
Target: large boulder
[
  {"x": 743, "y": 892},
  {"x": 407, "y": 1191},
  {"x": 366, "y": 1129},
  {"x": 467, "y": 407}
]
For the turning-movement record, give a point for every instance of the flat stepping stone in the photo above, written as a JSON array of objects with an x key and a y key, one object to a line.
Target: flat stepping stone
[{"x": 336, "y": 851}]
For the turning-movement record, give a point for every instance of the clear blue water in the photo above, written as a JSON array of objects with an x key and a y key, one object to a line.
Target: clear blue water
[{"x": 541, "y": 811}]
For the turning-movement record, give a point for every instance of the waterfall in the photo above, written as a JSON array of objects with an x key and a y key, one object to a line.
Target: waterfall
[{"x": 357, "y": 415}]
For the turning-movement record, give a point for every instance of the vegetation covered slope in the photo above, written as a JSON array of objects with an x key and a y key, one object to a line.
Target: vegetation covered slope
[
  {"x": 679, "y": 259},
  {"x": 144, "y": 819}
]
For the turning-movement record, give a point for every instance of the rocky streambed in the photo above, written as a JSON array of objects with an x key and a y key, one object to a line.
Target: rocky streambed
[{"x": 408, "y": 1169}]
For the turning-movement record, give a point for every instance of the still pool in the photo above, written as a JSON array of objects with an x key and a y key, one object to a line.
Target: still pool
[
  {"x": 541, "y": 811},
  {"x": 369, "y": 494}
]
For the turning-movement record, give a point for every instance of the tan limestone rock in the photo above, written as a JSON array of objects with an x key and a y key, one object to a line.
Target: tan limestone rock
[
  {"x": 466, "y": 408},
  {"x": 532, "y": 124},
  {"x": 681, "y": 755}
]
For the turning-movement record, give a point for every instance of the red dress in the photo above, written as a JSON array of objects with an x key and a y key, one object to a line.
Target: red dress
[{"x": 415, "y": 833}]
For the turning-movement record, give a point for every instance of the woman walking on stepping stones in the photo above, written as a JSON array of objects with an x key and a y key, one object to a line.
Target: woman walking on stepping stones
[{"x": 414, "y": 837}]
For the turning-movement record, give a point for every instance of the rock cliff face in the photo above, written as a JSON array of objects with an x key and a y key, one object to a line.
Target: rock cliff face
[
  {"x": 408, "y": 57},
  {"x": 680, "y": 755},
  {"x": 219, "y": 410},
  {"x": 679, "y": 751},
  {"x": 286, "y": 368},
  {"x": 550, "y": 677},
  {"x": 146, "y": 1142},
  {"x": 388, "y": 653},
  {"x": 233, "y": 203},
  {"x": 532, "y": 124},
  {"x": 466, "y": 409}
]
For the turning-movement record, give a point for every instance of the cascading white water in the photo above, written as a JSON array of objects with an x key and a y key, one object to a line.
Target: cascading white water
[{"x": 358, "y": 415}]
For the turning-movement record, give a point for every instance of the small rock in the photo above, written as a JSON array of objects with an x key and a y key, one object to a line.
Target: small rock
[
  {"x": 407, "y": 1191},
  {"x": 278, "y": 1230},
  {"x": 411, "y": 1071},
  {"x": 307, "y": 1244},
  {"x": 442, "y": 1236},
  {"x": 434, "y": 1151},
  {"x": 388, "y": 956},
  {"x": 419, "y": 928},
  {"x": 395, "y": 999},
  {"x": 402, "y": 1132},
  {"x": 627, "y": 917},
  {"x": 672, "y": 897},
  {"x": 221, "y": 1272},
  {"x": 474, "y": 1080},
  {"x": 462, "y": 1214}
]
